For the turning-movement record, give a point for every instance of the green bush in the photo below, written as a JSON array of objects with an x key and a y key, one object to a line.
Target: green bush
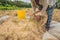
[{"x": 9, "y": 5}]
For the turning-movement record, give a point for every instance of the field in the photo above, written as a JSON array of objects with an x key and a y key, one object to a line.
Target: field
[
  {"x": 13, "y": 29},
  {"x": 56, "y": 15}
]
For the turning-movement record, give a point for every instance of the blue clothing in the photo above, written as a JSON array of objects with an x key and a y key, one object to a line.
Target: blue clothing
[{"x": 49, "y": 13}]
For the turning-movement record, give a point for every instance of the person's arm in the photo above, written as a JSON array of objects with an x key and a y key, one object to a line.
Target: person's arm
[
  {"x": 33, "y": 4},
  {"x": 45, "y": 6}
]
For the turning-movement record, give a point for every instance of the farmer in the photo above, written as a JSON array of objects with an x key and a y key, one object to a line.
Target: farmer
[{"x": 44, "y": 5}]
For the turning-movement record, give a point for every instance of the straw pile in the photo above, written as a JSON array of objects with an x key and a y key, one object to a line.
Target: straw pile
[{"x": 13, "y": 29}]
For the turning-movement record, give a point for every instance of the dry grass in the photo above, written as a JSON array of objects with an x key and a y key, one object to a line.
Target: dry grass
[
  {"x": 21, "y": 30},
  {"x": 10, "y": 30},
  {"x": 56, "y": 15}
]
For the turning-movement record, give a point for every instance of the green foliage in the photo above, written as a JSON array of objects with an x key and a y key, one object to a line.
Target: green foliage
[
  {"x": 58, "y": 0},
  {"x": 12, "y": 5},
  {"x": 58, "y": 4}
]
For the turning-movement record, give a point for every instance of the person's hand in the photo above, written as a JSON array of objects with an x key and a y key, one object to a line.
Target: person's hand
[{"x": 38, "y": 16}]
